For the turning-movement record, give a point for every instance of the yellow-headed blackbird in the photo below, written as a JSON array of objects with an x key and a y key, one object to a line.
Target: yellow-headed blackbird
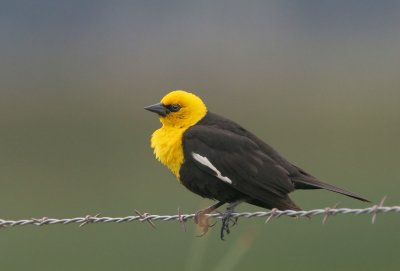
[{"x": 218, "y": 159}]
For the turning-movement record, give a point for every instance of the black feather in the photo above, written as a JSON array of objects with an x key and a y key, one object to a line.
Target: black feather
[
  {"x": 316, "y": 184},
  {"x": 259, "y": 174}
]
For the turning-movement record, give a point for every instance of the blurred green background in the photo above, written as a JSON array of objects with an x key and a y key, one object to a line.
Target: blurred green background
[{"x": 318, "y": 80}]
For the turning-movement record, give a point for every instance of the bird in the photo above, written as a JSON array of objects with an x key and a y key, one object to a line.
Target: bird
[{"x": 218, "y": 159}]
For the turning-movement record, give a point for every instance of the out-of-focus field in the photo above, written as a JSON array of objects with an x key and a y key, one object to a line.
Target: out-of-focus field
[{"x": 317, "y": 80}]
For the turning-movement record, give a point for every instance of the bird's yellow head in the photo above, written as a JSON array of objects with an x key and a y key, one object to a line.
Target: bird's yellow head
[{"x": 179, "y": 109}]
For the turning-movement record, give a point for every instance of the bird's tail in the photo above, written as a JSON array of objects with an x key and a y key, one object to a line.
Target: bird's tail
[{"x": 309, "y": 182}]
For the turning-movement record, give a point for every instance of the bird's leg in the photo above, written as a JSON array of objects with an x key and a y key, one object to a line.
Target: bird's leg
[
  {"x": 207, "y": 210},
  {"x": 227, "y": 217},
  {"x": 201, "y": 218}
]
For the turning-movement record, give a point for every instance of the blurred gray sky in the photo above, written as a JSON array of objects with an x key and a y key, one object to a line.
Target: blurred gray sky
[{"x": 236, "y": 46}]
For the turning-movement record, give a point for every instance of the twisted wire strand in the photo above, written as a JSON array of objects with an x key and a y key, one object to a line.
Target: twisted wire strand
[{"x": 184, "y": 217}]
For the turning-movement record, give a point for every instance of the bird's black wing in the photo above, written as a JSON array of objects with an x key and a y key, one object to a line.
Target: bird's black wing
[{"x": 238, "y": 161}]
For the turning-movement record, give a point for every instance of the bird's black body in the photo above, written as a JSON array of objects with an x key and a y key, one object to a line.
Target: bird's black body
[
  {"x": 258, "y": 174},
  {"x": 218, "y": 159}
]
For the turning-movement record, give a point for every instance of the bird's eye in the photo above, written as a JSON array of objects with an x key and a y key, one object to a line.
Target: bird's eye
[{"x": 174, "y": 107}]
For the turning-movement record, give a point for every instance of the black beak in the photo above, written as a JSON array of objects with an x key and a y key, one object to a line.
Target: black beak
[{"x": 159, "y": 108}]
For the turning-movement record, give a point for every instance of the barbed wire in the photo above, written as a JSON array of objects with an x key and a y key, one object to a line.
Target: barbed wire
[{"x": 146, "y": 217}]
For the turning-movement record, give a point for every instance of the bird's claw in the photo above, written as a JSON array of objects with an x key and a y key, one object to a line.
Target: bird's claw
[
  {"x": 202, "y": 221},
  {"x": 226, "y": 219}
]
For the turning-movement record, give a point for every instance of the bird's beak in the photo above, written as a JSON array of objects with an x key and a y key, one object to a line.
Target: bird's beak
[{"x": 159, "y": 108}]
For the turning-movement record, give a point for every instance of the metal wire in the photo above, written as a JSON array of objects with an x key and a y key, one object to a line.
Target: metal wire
[{"x": 184, "y": 217}]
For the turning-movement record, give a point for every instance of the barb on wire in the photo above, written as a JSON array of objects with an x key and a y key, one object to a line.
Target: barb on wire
[
  {"x": 273, "y": 213},
  {"x": 88, "y": 219},
  {"x": 181, "y": 220},
  {"x": 328, "y": 212},
  {"x": 145, "y": 217},
  {"x": 376, "y": 207}
]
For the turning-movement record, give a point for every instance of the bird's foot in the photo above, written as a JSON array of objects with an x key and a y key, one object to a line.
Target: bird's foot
[
  {"x": 227, "y": 218},
  {"x": 202, "y": 220}
]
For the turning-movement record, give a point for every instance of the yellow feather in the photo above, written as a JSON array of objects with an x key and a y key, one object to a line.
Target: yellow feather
[
  {"x": 167, "y": 145},
  {"x": 167, "y": 141}
]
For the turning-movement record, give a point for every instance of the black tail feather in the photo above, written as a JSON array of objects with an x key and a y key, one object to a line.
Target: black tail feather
[{"x": 311, "y": 183}]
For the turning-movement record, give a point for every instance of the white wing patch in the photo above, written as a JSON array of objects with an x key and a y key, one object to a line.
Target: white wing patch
[{"x": 204, "y": 161}]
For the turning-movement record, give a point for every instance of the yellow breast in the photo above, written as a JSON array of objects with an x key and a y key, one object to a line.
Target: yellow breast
[{"x": 167, "y": 145}]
